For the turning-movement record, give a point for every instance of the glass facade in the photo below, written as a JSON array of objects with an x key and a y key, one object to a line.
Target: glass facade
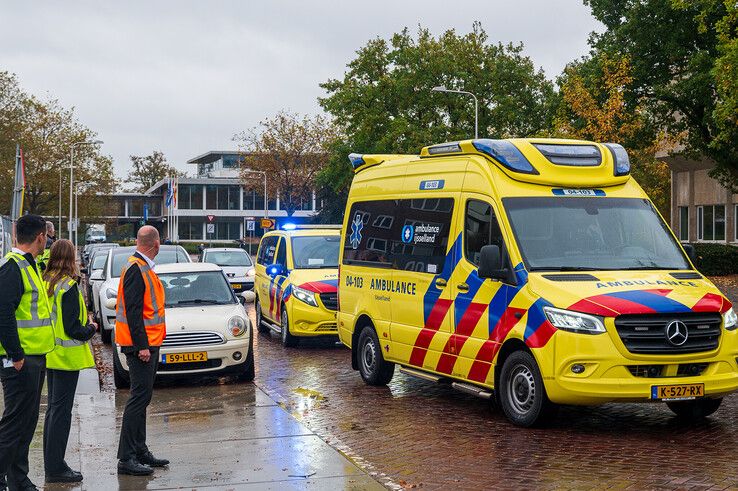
[
  {"x": 225, "y": 230},
  {"x": 190, "y": 228},
  {"x": 189, "y": 197},
  {"x": 711, "y": 222},
  {"x": 222, "y": 197}
]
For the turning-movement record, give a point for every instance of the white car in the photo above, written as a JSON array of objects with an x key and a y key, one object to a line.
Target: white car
[
  {"x": 208, "y": 331},
  {"x": 94, "y": 272},
  {"x": 236, "y": 263},
  {"x": 114, "y": 264}
]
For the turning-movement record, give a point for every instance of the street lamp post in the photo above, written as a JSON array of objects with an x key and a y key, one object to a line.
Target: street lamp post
[
  {"x": 442, "y": 88},
  {"x": 71, "y": 182}
]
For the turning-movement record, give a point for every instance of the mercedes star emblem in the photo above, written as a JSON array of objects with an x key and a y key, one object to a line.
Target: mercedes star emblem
[{"x": 677, "y": 333}]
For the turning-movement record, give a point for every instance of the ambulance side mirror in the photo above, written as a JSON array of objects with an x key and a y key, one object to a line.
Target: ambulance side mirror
[
  {"x": 490, "y": 263},
  {"x": 691, "y": 252}
]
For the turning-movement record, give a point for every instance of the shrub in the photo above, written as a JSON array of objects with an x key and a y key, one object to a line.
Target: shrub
[{"x": 716, "y": 259}]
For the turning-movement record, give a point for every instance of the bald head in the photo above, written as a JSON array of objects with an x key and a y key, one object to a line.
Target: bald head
[{"x": 147, "y": 241}]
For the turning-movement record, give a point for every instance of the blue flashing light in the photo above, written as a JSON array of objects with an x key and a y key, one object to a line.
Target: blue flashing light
[
  {"x": 505, "y": 153},
  {"x": 289, "y": 226},
  {"x": 356, "y": 159},
  {"x": 620, "y": 156}
]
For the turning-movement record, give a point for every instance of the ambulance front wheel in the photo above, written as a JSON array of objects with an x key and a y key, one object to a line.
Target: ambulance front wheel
[
  {"x": 288, "y": 340},
  {"x": 372, "y": 365},
  {"x": 522, "y": 395},
  {"x": 694, "y": 410},
  {"x": 260, "y": 326}
]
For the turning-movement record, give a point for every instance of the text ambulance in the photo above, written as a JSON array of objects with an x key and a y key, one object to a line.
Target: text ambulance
[
  {"x": 534, "y": 267},
  {"x": 296, "y": 282}
]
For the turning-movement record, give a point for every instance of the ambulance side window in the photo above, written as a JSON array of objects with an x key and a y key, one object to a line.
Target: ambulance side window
[
  {"x": 267, "y": 250},
  {"x": 282, "y": 252},
  {"x": 480, "y": 229}
]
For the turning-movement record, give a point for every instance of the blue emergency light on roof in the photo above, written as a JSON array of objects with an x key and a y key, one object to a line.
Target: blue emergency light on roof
[
  {"x": 356, "y": 159},
  {"x": 505, "y": 153},
  {"x": 620, "y": 156},
  {"x": 289, "y": 226},
  {"x": 570, "y": 155}
]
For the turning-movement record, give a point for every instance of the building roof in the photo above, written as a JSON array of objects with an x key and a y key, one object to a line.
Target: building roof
[{"x": 212, "y": 156}]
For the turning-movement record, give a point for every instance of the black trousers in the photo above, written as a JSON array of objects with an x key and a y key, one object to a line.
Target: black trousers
[
  {"x": 22, "y": 396},
  {"x": 133, "y": 430},
  {"x": 61, "y": 385}
]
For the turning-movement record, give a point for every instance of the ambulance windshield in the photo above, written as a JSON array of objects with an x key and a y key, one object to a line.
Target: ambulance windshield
[
  {"x": 316, "y": 251},
  {"x": 592, "y": 233}
]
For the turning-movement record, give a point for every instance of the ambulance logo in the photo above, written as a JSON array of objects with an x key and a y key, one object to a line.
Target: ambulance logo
[
  {"x": 356, "y": 226},
  {"x": 408, "y": 232}
]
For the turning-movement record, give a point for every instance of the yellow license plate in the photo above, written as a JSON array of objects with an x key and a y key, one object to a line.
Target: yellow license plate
[
  {"x": 677, "y": 392},
  {"x": 236, "y": 286},
  {"x": 185, "y": 357}
]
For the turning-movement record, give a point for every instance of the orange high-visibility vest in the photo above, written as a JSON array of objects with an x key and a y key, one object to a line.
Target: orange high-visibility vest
[{"x": 153, "y": 307}]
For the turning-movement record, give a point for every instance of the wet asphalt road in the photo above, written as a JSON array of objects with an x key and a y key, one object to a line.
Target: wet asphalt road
[{"x": 412, "y": 434}]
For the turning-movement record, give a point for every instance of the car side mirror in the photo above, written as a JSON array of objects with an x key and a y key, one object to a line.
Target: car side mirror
[
  {"x": 241, "y": 300},
  {"x": 275, "y": 269},
  {"x": 691, "y": 252},
  {"x": 490, "y": 263},
  {"x": 96, "y": 275},
  {"x": 110, "y": 303}
]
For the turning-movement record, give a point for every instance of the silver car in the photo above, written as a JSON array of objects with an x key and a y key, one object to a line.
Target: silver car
[{"x": 235, "y": 263}]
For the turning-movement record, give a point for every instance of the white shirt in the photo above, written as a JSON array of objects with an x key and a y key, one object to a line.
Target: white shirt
[{"x": 147, "y": 259}]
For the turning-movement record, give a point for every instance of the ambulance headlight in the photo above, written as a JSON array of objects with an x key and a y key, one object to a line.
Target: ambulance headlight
[
  {"x": 731, "y": 319},
  {"x": 305, "y": 296},
  {"x": 574, "y": 321},
  {"x": 236, "y": 326}
]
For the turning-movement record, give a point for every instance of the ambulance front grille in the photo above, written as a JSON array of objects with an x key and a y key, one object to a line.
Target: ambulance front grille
[
  {"x": 187, "y": 338},
  {"x": 330, "y": 300},
  {"x": 646, "y": 334}
]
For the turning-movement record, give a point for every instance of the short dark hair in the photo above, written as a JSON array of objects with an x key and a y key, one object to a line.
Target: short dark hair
[{"x": 28, "y": 227}]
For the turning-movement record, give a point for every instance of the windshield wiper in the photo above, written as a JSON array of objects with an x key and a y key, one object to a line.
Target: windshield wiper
[{"x": 199, "y": 300}]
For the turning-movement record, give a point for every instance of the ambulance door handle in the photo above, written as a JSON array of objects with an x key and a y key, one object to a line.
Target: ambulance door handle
[
  {"x": 440, "y": 283},
  {"x": 462, "y": 287}
]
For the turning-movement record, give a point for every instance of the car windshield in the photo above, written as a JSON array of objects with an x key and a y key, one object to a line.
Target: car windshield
[
  {"x": 196, "y": 288},
  {"x": 168, "y": 256},
  {"x": 592, "y": 233},
  {"x": 315, "y": 252},
  {"x": 228, "y": 258},
  {"x": 99, "y": 261}
]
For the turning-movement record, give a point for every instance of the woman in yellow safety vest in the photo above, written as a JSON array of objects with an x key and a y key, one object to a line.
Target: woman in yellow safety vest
[{"x": 72, "y": 329}]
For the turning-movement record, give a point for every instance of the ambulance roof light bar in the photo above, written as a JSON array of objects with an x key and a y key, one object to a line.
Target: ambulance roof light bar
[
  {"x": 506, "y": 153},
  {"x": 620, "y": 156}
]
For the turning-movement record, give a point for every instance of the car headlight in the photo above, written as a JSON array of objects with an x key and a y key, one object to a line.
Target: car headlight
[
  {"x": 251, "y": 272},
  {"x": 110, "y": 293},
  {"x": 731, "y": 319},
  {"x": 574, "y": 321},
  {"x": 236, "y": 326},
  {"x": 305, "y": 296}
]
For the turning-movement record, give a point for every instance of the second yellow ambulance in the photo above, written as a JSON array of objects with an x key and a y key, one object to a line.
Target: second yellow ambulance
[{"x": 534, "y": 270}]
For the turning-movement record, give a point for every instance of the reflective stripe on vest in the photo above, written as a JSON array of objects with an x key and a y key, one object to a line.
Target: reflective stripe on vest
[
  {"x": 69, "y": 354},
  {"x": 153, "y": 308},
  {"x": 33, "y": 315}
]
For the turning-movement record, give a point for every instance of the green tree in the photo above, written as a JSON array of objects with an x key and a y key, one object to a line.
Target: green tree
[
  {"x": 148, "y": 170},
  {"x": 681, "y": 52},
  {"x": 291, "y": 149},
  {"x": 46, "y": 131},
  {"x": 384, "y": 102}
]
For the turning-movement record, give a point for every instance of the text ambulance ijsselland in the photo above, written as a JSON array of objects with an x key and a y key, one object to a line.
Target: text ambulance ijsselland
[{"x": 533, "y": 270}]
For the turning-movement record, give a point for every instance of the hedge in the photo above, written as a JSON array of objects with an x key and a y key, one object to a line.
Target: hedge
[{"x": 716, "y": 259}]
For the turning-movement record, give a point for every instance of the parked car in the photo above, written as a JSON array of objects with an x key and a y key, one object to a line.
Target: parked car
[
  {"x": 94, "y": 275},
  {"x": 208, "y": 331},
  {"x": 89, "y": 248},
  {"x": 114, "y": 264},
  {"x": 236, "y": 264}
]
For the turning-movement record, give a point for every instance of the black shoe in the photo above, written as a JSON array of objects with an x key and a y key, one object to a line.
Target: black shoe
[
  {"x": 66, "y": 476},
  {"x": 149, "y": 459},
  {"x": 133, "y": 467}
]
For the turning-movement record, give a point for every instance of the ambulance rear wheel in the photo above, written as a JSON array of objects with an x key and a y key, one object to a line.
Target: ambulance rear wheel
[
  {"x": 522, "y": 395},
  {"x": 697, "y": 409},
  {"x": 372, "y": 365},
  {"x": 260, "y": 326}
]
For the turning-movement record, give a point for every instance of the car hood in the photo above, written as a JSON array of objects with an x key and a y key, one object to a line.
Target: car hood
[
  {"x": 202, "y": 317},
  {"x": 237, "y": 271},
  {"x": 316, "y": 280},
  {"x": 612, "y": 293}
]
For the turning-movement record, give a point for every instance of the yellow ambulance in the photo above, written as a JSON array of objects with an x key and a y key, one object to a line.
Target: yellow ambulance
[
  {"x": 296, "y": 282},
  {"x": 535, "y": 271}
]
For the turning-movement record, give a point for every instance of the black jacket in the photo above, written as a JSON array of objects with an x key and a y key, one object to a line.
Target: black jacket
[
  {"x": 133, "y": 292},
  {"x": 10, "y": 297},
  {"x": 70, "y": 315}
]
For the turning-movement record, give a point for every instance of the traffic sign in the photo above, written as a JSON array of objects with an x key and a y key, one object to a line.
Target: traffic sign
[
  {"x": 211, "y": 218},
  {"x": 250, "y": 226},
  {"x": 211, "y": 228},
  {"x": 267, "y": 223}
]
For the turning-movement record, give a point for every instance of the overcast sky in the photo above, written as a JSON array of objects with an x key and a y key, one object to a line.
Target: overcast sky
[{"x": 184, "y": 76}]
